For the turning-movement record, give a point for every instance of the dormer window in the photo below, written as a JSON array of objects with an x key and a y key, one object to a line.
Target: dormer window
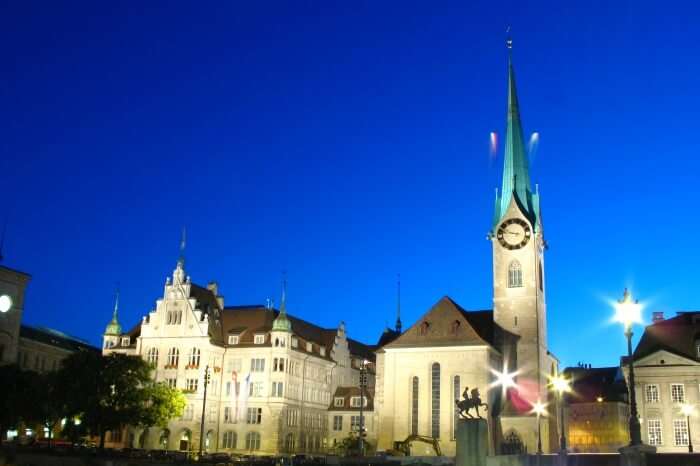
[
  {"x": 233, "y": 339},
  {"x": 295, "y": 342},
  {"x": 423, "y": 329},
  {"x": 125, "y": 341},
  {"x": 259, "y": 339},
  {"x": 309, "y": 346},
  {"x": 339, "y": 402},
  {"x": 355, "y": 401},
  {"x": 323, "y": 351}
]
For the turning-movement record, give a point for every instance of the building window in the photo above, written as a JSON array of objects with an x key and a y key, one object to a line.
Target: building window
[
  {"x": 277, "y": 389},
  {"x": 515, "y": 275},
  {"x": 172, "y": 383},
  {"x": 193, "y": 362},
  {"x": 252, "y": 441},
  {"x": 355, "y": 423},
  {"x": 323, "y": 351},
  {"x": 435, "y": 382},
  {"x": 355, "y": 401},
  {"x": 677, "y": 393},
  {"x": 652, "y": 393},
  {"x": 337, "y": 423},
  {"x": 309, "y": 346},
  {"x": 173, "y": 358},
  {"x": 191, "y": 385},
  {"x": 125, "y": 341},
  {"x": 230, "y": 439},
  {"x": 454, "y": 327},
  {"x": 654, "y": 432},
  {"x": 295, "y": 342},
  {"x": 188, "y": 413},
  {"x": 278, "y": 365},
  {"x": 255, "y": 389},
  {"x": 228, "y": 415},
  {"x": 456, "y": 393},
  {"x": 257, "y": 365},
  {"x": 414, "y": 406},
  {"x": 254, "y": 416},
  {"x": 339, "y": 402},
  {"x": 259, "y": 339},
  {"x": 680, "y": 432},
  {"x": 152, "y": 356},
  {"x": 233, "y": 339},
  {"x": 173, "y": 318}
]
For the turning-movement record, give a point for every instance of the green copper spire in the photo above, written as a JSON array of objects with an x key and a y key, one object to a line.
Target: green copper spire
[
  {"x": 282, "y": 323},
  {"x": 516, "y": 174},
  {"x": 113, "y": 328}
]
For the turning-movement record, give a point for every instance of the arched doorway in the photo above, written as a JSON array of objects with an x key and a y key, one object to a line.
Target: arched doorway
[
  {"x": 185, "y": 440},
  {"x": 164, "y": 439},
  {"x": 512, "y": 444}
]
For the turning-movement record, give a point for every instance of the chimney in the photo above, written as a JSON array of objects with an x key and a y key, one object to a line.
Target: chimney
[{"x": 657, "y": 316}]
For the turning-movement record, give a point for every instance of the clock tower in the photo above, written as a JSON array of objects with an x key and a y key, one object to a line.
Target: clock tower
[{"x": 517, "y": 239}]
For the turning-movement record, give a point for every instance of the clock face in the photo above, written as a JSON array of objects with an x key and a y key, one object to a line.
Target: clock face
[{"x": 514, "y": 233}]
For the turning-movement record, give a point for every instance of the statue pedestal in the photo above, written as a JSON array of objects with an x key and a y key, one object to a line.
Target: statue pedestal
[{"x": 472, "y": 442}]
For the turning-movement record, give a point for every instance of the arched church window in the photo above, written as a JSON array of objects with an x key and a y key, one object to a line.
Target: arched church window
[
  {"x": 515, "y": 275},
  {"x": 194, "y": 357},
  {"x": 423, "y": 329},
  {"x": 456, "y": 393},
  {"x": 173, "y": 358},
  {"x": 435, "y": 401},
  {"x": 152, "y": 356},
  {"x": 414, "y": 406},
  {"x": 512, "y": 444}
]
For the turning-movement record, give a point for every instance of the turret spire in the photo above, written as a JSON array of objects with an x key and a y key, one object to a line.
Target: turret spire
[
  {"x": 398, "y": 304},
  {"x": 183, "y": 243},
  {"x": 516, "y": 174},
  {"x": 282, "y": 323},
  {"x": 113, "y": 328}
]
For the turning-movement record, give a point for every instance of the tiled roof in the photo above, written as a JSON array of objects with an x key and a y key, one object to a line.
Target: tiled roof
[
  {"x": 387, "y": 336},
  {"x": 588, "y": 384},
  {"x": 55, "y": 338},
  {"x": 678, "y": 335},
  {"x": 360, "y": 349}
]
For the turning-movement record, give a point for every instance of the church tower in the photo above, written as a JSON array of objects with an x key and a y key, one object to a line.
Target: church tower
[{"x": 518, "y": 257}]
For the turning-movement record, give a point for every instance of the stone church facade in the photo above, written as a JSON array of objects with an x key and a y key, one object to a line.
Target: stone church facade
[{"x": 423, "y": 370}]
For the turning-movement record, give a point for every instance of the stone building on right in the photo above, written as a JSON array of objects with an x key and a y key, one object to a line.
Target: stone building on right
[{"x": 667, "y": 378}]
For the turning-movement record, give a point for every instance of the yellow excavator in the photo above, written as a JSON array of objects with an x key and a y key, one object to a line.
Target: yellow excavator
[{"x": 404, "y": 448}]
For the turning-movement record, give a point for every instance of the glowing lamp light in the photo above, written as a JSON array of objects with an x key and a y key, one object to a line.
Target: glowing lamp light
[
  {"x": 539, "y": 408},
  {"x": 504, "y": 379},
  {"x": 628, "y": 311},
  {"x": 5, "y": 303},
  {"x": 687, "y": 409},
  {"x": 560, "y": 384}
]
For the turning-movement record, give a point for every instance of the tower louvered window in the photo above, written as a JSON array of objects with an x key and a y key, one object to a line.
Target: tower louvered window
[{"x": 515, "y": 275}]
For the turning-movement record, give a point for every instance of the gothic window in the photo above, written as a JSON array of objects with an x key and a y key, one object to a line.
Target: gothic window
[
  {"x": 457, "y": 394},
  {"x": 423, "y": 329},
  {"x": 173, "y": 357},
  {"x": 173, "y": 317},
  {"x": 512, "y": 444},
  {"x": 515, "y": 275},
  {"x": 194, "y": 358},
  {"x": 152, "y": 356},
  {"x": 435, "y": 411},
  {"x": 414, "y": 406}
]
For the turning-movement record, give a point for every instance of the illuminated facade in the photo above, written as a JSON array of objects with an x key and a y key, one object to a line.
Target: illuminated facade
[{"x": 272, "y": 375}]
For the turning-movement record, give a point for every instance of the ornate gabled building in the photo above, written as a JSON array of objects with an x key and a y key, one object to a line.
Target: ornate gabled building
[
  {"x": 272, "y": 374},
  {"x": 423, "y": 370}
]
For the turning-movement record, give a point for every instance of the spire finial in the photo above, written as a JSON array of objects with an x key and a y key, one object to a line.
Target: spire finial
[
  {"x": 398, "y": 303},
  {"x": 281, "y": 322},
  {"x": 183, "y": 243},
  {"x": 509, "y": 39},
  {"x": 113, "y": 328},
  {"x": 116, "y": 302},
  {"x": 283, "y": 302}
]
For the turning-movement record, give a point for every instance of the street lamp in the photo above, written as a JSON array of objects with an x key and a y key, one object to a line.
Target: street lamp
[
  {"x": 687, "y": 410},
  {"x": 628, "y": 312},
  {"x": 363, "y": 384},
  {"x": 540, "y": 409},
  {"x": 560, "y": 384}
]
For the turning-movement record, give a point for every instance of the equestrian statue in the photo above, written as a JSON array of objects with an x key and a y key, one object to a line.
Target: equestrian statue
[{"x": 467, "y": 404}]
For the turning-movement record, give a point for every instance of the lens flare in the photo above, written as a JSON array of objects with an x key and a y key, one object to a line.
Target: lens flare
[
  {"x": 532, "y": 145},
  {"x": 493, "y": 144}
]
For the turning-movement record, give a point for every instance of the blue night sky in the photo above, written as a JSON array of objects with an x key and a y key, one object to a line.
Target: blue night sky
[{"x": 345, "y": 142}]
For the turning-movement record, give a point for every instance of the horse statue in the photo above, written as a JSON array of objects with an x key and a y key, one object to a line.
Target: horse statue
[{"x": 467, "y": 404}]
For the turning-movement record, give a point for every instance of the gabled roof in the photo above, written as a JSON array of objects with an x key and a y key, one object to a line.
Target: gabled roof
[
  {"x": 447, "y": 324},
  {"x": 678, "y": 335}
]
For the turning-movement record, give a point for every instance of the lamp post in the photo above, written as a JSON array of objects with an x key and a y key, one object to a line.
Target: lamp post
[
  {"x": 204, "y": 407},
  {"x": 560, "y": 384},
  {"x": 628, "y": 312},
  {"x": 539, "y": 408},
  {"x": 363, "y": 383},
  {"x": 687, "y": 410}
]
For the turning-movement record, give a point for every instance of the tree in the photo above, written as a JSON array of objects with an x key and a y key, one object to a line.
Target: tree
[
  {"x": 13, "y": 402},
  {"x": 110, "y": 392}
]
